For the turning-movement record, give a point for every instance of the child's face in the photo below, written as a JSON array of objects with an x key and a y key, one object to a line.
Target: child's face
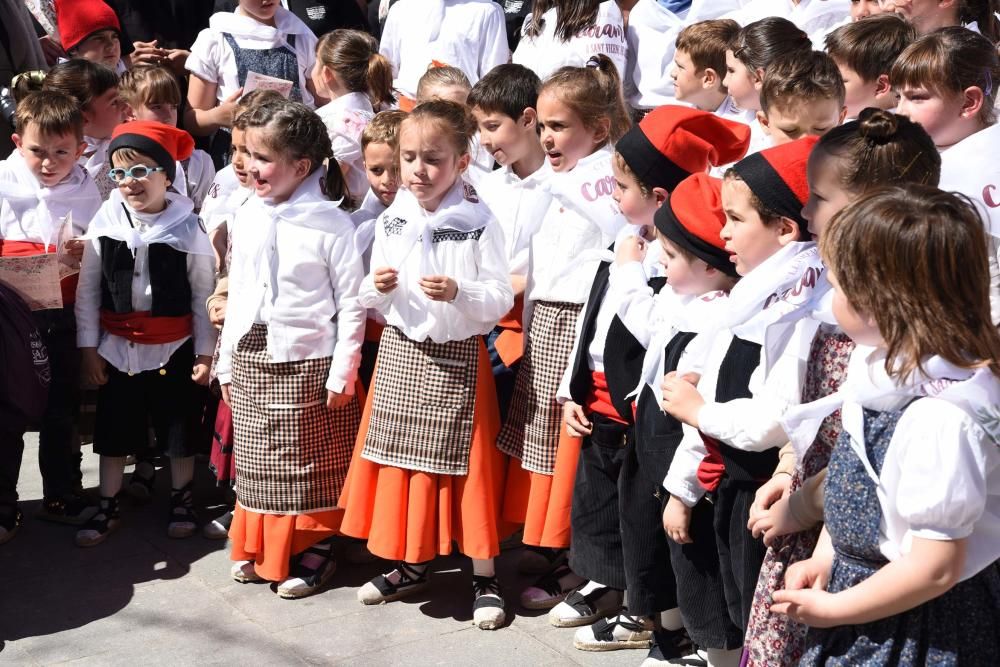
[
  {"x": 164, "y": 112},
  {"x": 938, "y": 114},
  {"x": 565, "y": 139},
  {"x": 324, "y": 79},
  {"x": 50, "y": 157},
  {"x": 788, "y": 122},
  {"x": 686, "y": 274},
  {"x": 382, "y": 171},
  {"x": 638, "y": 209},
  {"x": 262, "y": 10},
  {"x": 749, "y": 240},
  {"x": 241, "y": 158},
  {"x": 275, "y": 177},
  {"x": 924, "y": 15},
  {"x": 687, "y": 82},
  {"x": 102, "y": 47},
  {"x": 457, "y": 94},
  {"x": 862, "y": 9},
  {"x": 860, "y": 93},
  {"x": 144, "y": 195},
  {"x": 741, "y": 83},
  {"x": 429, "y": 164},
  {"x": 862, "y": 329},
  {"x": 827, "y": 196},
  {"x": 104, "y": 113},
  {"x": 508, "y": 140}
]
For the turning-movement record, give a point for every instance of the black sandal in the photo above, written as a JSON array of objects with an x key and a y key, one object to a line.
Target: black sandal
[
  {"x": 488, "y": 605},
  {"x": 183, "y": 520},
  {"x": 304, "y": 580},
  {"x": 102, "y": 524},
  {"x": 380, "y": 589}
]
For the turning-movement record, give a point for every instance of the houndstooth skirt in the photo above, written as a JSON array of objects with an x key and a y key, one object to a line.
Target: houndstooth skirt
[
  {"x": 531, "y": 431},
  {"x": 291, "y": 451},
  {"x": 424, "y": 399}
]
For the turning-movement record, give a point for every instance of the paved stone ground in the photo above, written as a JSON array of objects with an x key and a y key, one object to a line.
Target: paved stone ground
[{"x": 142, "y": 598}]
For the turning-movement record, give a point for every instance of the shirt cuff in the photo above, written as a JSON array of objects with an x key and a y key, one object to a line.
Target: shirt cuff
[{"x": 689, "y": 494}]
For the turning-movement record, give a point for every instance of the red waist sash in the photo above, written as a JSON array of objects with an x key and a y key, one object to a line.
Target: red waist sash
[
  {"x": 599, "y": 398},
  {"x": 141, "y": 327}
]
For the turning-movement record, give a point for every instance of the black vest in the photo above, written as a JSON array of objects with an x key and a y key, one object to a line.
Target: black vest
[
  {"x": 658, "y": 434},
  {"x": 623, "y": 354},
  {"x": 167, "y": 276},
  {"x": 741, "y": 359}
]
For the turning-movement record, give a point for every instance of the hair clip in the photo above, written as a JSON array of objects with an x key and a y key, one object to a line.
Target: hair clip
[
  {"x": 594, "y": 62},
  {"x": 35, "y": 76}
]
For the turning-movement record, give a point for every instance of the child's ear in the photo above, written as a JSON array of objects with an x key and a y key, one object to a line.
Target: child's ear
[
  {"x": 16, "y": 138},
  {"x": 882, "y": 85},
  {"x": 972, "y": 101},
  {"x": 302, "y": 167},
  {"x": 710, "y": 79},
  {"x": 762, "y": 119},
  {"x": 843, "y": 115},
  {"x": 81, "y": 147},
  {"x": 529, "y": 118},
  {"x": 660, "y": 195},
  {"x": 601, "y": 131},
  {"x": 758, "y": 78},
  {"x": 788, "y": 231},
  {"x": 463, "y": 162}
]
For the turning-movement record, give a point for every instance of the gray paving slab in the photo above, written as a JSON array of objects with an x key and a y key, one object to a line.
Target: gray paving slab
[{"x": 142, "y": 598}]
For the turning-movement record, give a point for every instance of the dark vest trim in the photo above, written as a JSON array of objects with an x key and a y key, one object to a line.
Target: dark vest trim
[
  {"x": 171, "y": 291},
  {"x": 741, "y": 359}
]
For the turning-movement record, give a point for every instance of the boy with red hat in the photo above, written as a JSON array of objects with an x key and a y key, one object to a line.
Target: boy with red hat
[
  {"x": 671, "y": 143},
  {"x": 143, "y": 329},
  {"x": 748, "y": 379},
  {"x": 90, "y": 29}
]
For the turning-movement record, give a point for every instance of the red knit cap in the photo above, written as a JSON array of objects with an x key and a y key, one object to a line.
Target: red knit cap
[
  {"x": 692, "y": 218},
  {"x": 672, "y": 142},
  {"x": 778, "y": 177},
  {"x": 79, "y": 19},
  {"x": 164, "y": 143}
]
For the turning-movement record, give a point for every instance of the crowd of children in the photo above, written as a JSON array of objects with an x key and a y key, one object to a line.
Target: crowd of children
[{"x": 696, "y": 299}]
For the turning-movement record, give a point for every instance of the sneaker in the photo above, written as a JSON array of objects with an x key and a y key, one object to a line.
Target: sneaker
[
  {"x": 310, "y": 573},
  {"x": 402, "y": 582},
  {"x": 539, "y": 560},
  {"x": 243, "y": 572},
  {"x": 218, "y": 528},
  {"x": 183, "y": 521},
  {"x": 140, "y": 486},
  {"x": 615, "y": 633},
  {"x": 487, "y": 607},
  {"x": 72, "y": 509},
  {"x": 551, "y": 589},
  {"x": 103, "y": 523},
  {"x": 674, "y": 647},
  {"x": 9, "y": 526},
  {"x": 583, "y": 609}
]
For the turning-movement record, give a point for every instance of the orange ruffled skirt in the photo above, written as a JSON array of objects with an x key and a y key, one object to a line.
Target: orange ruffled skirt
[
  {"x": 542, "y": 502},
  {"x": 270, "y": 540},
  {"x": 414, "y": 516}
]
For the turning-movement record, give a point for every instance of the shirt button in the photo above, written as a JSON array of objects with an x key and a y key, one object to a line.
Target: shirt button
[
  {"x": 131, "y": 373},
  {"x": 131, "y": 344},
  {"x": 136, "y": 274},
  {"x": 163, "y": 371}
]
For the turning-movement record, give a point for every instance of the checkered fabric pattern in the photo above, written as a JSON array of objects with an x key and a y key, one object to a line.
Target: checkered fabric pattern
[
  {"x": 531, "y": 432},
  {"x": 425, "y": 397},
  {"x": 292, "y": 453}
]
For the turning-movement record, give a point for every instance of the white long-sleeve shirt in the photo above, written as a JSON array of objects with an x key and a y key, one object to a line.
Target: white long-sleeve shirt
[
  {"x": 519, "y": 205},
  {"x": 468, "y": 34},
  {"x": 811, "y": 16},
  {"x": 123, "y": 354},
  {"x": 652, "y": 33},
  {"x": 295, "y": 268},
  {"x": 461, "y": 240}
]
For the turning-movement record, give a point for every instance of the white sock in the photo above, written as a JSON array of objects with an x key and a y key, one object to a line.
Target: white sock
[
  {"x": 720, "y": 657},
  {"x": 112, "y": 470},
  {"x": 671, "y": 619},
  {"x": 181, "y": 471},
  {"x": 590, "y": 586},
  {"x": 483, "y": 567}
]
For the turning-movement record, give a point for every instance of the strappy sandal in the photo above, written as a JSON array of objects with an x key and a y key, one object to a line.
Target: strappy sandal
[
  {"x": 583, "y": 609},
  {"x": 183, "y": 520},
  {"x": 551, "y": 589},
  {"x": 306, "y": 579},
  {"x": 102, "y": 524},
  {"x": 617, "y": 632},
  {"x": 381, "y": 589},
  {"x": 487, "y": 606}
]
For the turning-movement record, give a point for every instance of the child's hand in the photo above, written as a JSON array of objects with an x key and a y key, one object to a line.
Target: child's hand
[
  {"x": 681, "y": 398},
  {"x": 630, "y": 249},
  {"x": 772, "y": 491},
  {"x": 336, "y": 400},
  {"x": 223, "y": 114},
  {"x": 74, "y": 248},
  {"x": 810, "y": 606},
  {"x": 93, "y": 368},
  {"x": 677, "y": 520},
  {"x": 809, "y": 573},
  {"x": 201, "y": 371},
  {"x": 227, "y": 396},
  {"x": 217, "y": 313},
  {"x": 576, "y": 420},
  {"x": 439, "y": 288},
  {"x": 386, "y": 279},
  {"x": 774, "y": 522}
]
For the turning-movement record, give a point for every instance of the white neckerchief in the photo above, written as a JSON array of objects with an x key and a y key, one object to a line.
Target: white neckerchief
[
  {"x": 26, "y": 196},
  {"x": 242, "y": 26},
  {"x": 177, "y": 226},
  {"x": 780, "y": 290},
  {"x": 95, "y": 155},
  {"x": 461, "y": 210},
  {"x": 868, "y": 383}
]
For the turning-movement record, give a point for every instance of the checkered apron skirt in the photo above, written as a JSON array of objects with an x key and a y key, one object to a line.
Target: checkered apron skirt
[
  {"x": 291, "y": 451},
  {"x": 531, "y": 432},
  {"x": 424, "y": 399}
]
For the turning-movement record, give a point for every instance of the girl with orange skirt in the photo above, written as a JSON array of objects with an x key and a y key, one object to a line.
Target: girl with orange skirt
[{"x": 425, "y": 471}]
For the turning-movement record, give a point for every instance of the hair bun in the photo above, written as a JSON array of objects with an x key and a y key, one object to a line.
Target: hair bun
[{"x": 877, "y": 126}]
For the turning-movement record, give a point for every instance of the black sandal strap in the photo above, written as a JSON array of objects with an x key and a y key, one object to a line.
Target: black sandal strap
[
  {"x": 407, "y": 577},
  {"x": 550, "y": 581},
  {"x": 604, "y": 628}
]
